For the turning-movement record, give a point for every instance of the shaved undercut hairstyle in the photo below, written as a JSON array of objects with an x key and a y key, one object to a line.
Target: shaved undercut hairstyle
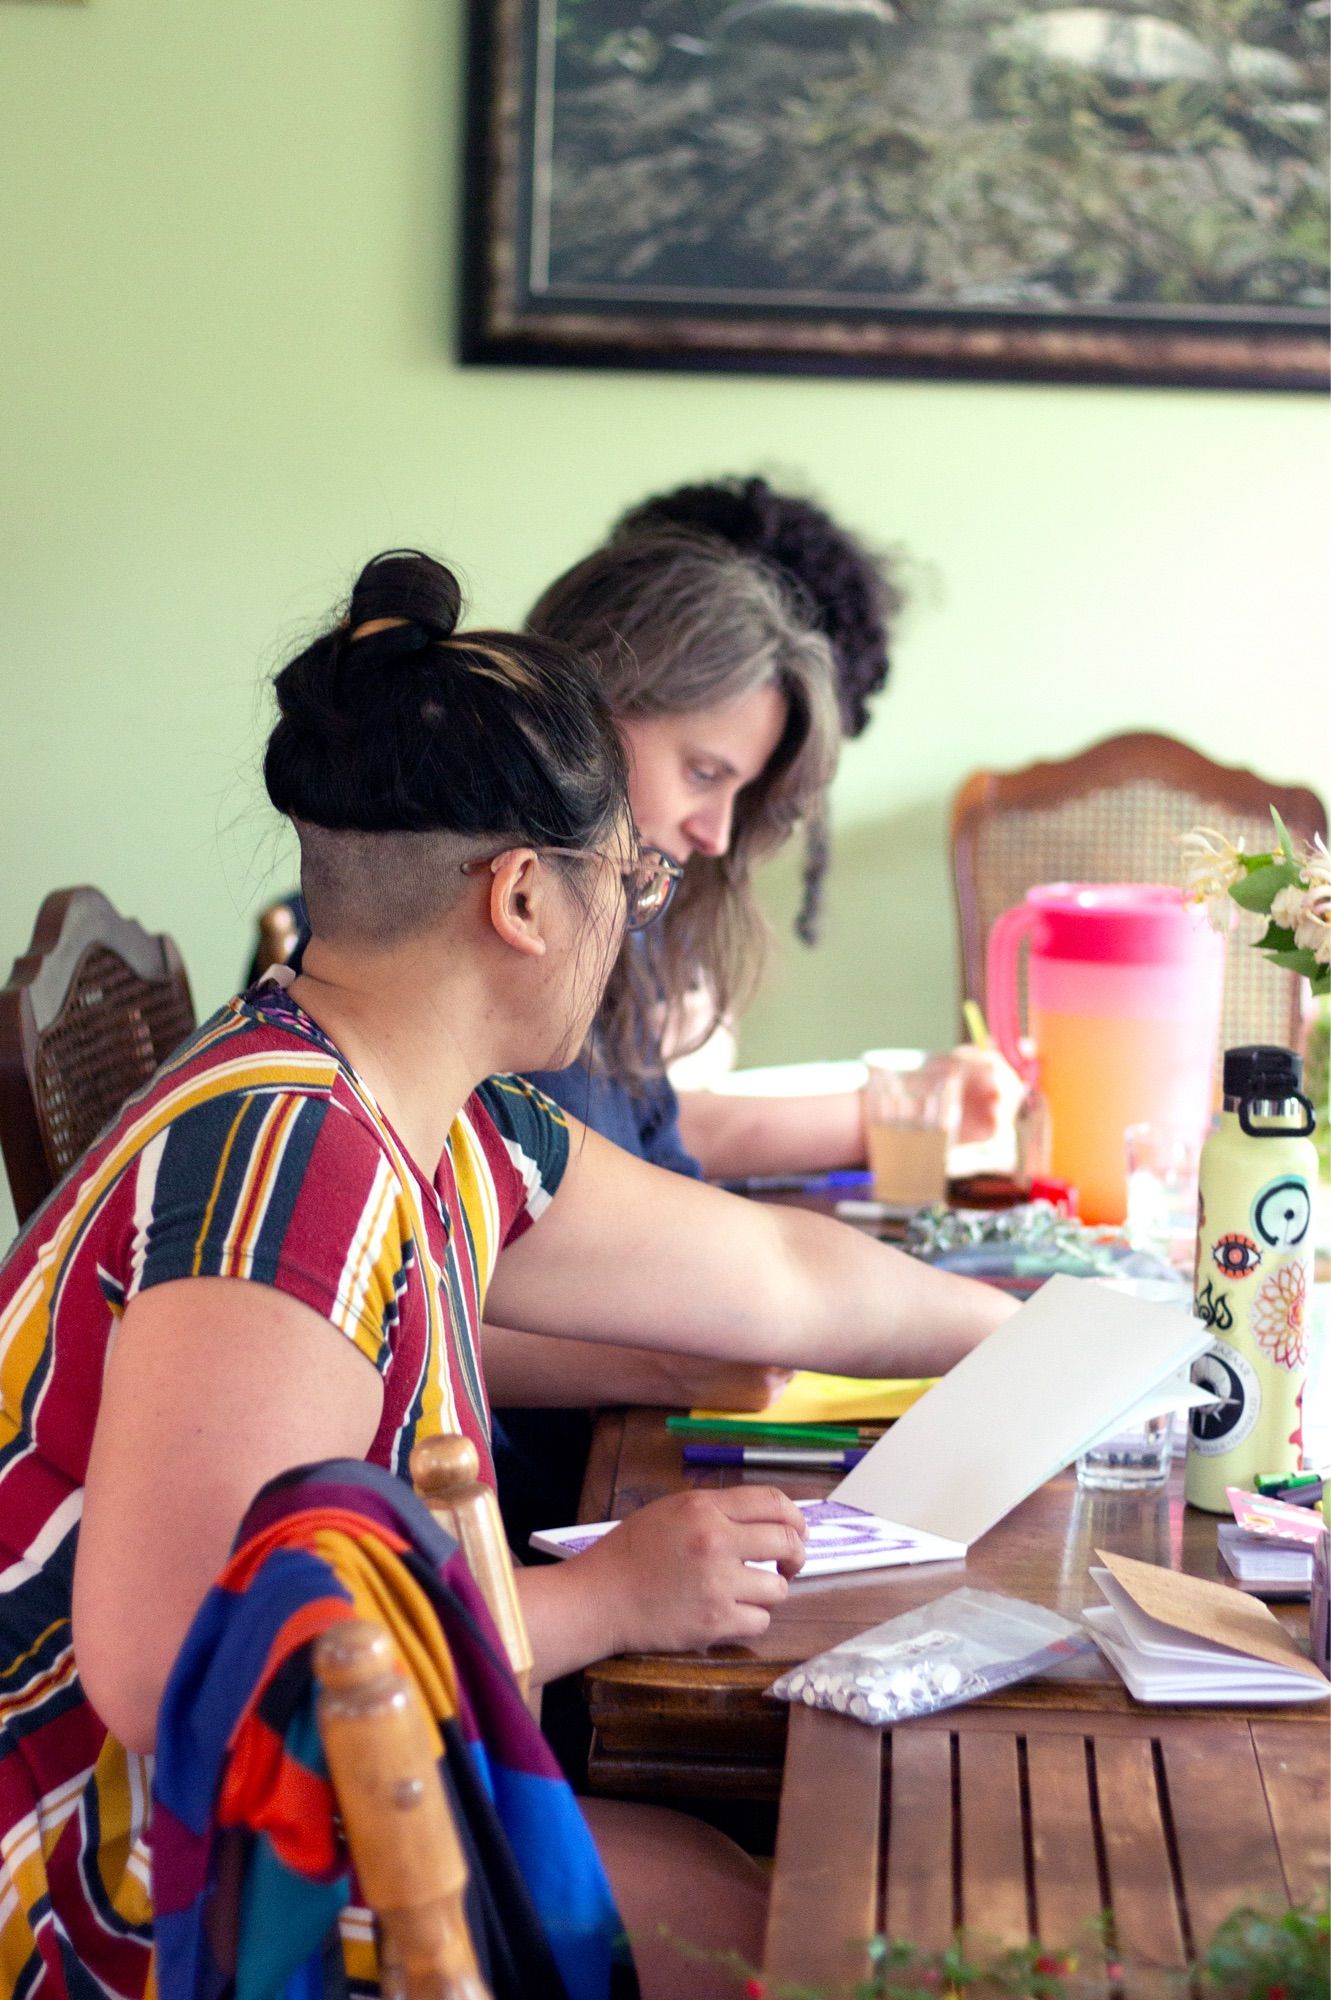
[{"x": 404, "y": 746}]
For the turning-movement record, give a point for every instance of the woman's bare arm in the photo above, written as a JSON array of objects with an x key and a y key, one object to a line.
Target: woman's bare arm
[
  {"x": 532, "y": 1369},
  {"x": 627, "y": 1252},
  {"x": 732, "y": 1136},
  {"x": 212, "y": 1387}
]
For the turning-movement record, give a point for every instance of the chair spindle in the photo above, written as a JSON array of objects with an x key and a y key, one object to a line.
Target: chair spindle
[
  {"x": 444, "y": 1473},
  {"x": 382, "y": 1751}
]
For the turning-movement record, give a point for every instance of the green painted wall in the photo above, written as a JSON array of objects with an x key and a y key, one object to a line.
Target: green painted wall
[{"x": 228, "y": 237}]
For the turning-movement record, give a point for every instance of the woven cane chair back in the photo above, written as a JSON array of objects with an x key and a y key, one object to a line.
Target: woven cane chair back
[
  {"x": 1115, "y": 814},
  {"x": 92, "y": 1008}
]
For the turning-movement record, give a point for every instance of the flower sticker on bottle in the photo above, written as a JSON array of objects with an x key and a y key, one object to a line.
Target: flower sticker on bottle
[{"x": 1278, "y": 1316}]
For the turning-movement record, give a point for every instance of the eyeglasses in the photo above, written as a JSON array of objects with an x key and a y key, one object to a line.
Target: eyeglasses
[{"x": 649, "y": 880}]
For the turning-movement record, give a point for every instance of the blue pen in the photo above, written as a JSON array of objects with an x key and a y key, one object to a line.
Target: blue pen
[
  {"x": 837, "y": 1183},
  {"x": 794, "y": 1458}
]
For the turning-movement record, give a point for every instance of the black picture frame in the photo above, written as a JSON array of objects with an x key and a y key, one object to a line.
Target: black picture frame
[{"x": 513, "y": 313}]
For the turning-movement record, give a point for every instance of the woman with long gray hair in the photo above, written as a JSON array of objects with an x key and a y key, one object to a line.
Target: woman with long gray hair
[{"x": 737, "y": 633}]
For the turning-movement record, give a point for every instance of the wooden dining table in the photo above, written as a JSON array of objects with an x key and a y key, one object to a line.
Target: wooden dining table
[
  {"x": 1057, "y": 1809},
  {"x": 702, "y": 1725}
]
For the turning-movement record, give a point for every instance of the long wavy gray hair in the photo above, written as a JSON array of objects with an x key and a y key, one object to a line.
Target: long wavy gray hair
[{"x": 672, "y": 623}]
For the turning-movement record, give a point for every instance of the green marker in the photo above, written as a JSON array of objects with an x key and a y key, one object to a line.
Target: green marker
[
  {"x": 827, "y": 1434},
  {"x": 1275, "y": 1482}
]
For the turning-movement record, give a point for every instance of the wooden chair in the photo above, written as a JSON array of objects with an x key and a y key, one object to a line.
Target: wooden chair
[
  {"x": 90, "y": 1010},
  {"x": 382, "y": 1748},
  {"x": 382, "y": 1751},
  {"x": 444, "y": 1473},
  {"x": 1114, "y": 813},
  {"x": 279, "y": 934}
]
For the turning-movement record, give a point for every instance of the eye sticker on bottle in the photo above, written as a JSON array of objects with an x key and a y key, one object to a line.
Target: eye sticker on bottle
[
  {"x": 1281, "y": 1213},
  {"x": 1236, "y": 1254}
]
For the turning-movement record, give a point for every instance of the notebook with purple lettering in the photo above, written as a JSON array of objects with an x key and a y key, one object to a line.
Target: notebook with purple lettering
[{"x": 840, "y": 1538}]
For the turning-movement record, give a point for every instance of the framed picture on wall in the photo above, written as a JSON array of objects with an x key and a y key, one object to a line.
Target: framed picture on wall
[{"x": 1131, "y": 191}]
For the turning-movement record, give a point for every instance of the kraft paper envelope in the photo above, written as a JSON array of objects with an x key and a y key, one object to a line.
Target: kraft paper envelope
[
  {"x": 1212, "y": 1611},
  {"x": 1021, "y": 1406}
]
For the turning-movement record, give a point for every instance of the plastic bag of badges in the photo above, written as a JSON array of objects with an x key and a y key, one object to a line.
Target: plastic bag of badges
[{"x": 951, "y": 1651}]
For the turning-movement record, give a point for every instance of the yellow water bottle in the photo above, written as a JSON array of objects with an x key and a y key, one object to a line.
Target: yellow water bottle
[{"x": 1253, "y": 1277}]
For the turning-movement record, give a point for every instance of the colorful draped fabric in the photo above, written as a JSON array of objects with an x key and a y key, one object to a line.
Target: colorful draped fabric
[
  {"x": 249, "y": 1881},
  {"x": 254, "y": 1153}
]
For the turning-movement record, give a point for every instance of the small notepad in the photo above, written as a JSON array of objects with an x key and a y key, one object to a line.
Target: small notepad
[
  {"x": 839, "y": 1538},
  {"x": 1267, "y": 1567},
  {"x": 1177, "y": 1638}
]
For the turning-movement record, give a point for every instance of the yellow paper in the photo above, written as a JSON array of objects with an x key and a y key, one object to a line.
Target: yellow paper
[{"x": 832, "y": 1399}]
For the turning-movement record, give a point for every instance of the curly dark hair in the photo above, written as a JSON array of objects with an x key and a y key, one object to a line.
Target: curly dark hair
[
  {"x": 846, "y": 592},
  {"x": 843, "y": 591}
]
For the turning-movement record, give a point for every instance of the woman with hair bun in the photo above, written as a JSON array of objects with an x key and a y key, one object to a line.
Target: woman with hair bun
[{"x": 280, "y": 1252}]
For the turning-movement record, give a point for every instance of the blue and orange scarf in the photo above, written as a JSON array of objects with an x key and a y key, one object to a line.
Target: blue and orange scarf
[{"x": 249, "y": 1876}]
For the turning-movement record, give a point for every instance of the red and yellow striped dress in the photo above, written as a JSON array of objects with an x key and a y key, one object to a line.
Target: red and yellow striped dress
[{"x": 254, "y": 1153}]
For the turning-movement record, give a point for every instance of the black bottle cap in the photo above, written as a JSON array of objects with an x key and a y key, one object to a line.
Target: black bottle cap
[{"x": 1262, "y": 1072}]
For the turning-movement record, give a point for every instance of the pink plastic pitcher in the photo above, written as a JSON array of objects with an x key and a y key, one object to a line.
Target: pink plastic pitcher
[{"x": 1123, "y": 987}]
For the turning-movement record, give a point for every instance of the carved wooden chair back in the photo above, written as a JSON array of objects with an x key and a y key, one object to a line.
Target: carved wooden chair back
[
  {"x": 1114, "y": 814},
  {"x": 89, "y": 1011}
]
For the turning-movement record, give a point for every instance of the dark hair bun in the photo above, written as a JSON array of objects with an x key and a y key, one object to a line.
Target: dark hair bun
[
  {"x": 415, "y": 727},
  {"x": 403, "y": 583},
  {"x": 846, "y": 593}
]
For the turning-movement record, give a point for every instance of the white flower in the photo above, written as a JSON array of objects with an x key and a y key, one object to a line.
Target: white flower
[
  {"x": 1315, "y": 869},
  {"x": 1311, "y": 921},
  {"x": 1287, "y": 907},
  {"x": 1212, "y": 866},
  {"x": 1312, "y": 932}
]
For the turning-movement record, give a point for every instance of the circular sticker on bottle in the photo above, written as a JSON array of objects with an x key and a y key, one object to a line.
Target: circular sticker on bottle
[
  {"x": 1282, "y": 1211},
  {"x": 1219, "y": 1427}
]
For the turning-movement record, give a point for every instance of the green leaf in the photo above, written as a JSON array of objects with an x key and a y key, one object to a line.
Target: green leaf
[
  {"x": 1286, "y": 844},
  {"x": 1293, "y": 961},
  {"x": 1277, "y": 938},
  {"x": 1259, "y": 890}
]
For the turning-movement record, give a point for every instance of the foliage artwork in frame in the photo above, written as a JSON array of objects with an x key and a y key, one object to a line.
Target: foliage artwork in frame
[{"x": 1127, "y": 191}]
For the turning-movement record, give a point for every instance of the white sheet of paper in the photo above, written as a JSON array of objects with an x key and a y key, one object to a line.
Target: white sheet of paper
[
  {"x": 1177, "y": 1394},
  {"x": 1020, "y": 1407}
]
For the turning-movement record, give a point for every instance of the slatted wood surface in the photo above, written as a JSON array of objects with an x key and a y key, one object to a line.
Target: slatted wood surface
[
  {"x": 1123, "y": 1838},
  {"x": 701, "y": 1725}
]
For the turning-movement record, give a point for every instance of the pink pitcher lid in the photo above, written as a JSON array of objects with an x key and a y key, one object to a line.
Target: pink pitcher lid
[{"x": 1119, "y": 923}]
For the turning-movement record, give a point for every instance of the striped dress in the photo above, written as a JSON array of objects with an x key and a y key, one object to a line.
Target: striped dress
[{"x": 255, "y": 1152}]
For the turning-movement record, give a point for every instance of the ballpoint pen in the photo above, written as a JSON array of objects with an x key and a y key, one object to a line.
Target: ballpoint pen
[
  {"x": 792, "y": 1459},
  {"x": 839, "y": 1182}
]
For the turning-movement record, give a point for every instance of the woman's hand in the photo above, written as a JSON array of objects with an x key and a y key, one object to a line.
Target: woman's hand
[
  {"x": 990, "y": 1093},
  {"x": 675, "y": 1575}
]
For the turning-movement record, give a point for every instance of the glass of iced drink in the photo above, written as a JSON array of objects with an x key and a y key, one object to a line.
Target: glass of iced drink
[{"x": 912, "y": 1103}]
